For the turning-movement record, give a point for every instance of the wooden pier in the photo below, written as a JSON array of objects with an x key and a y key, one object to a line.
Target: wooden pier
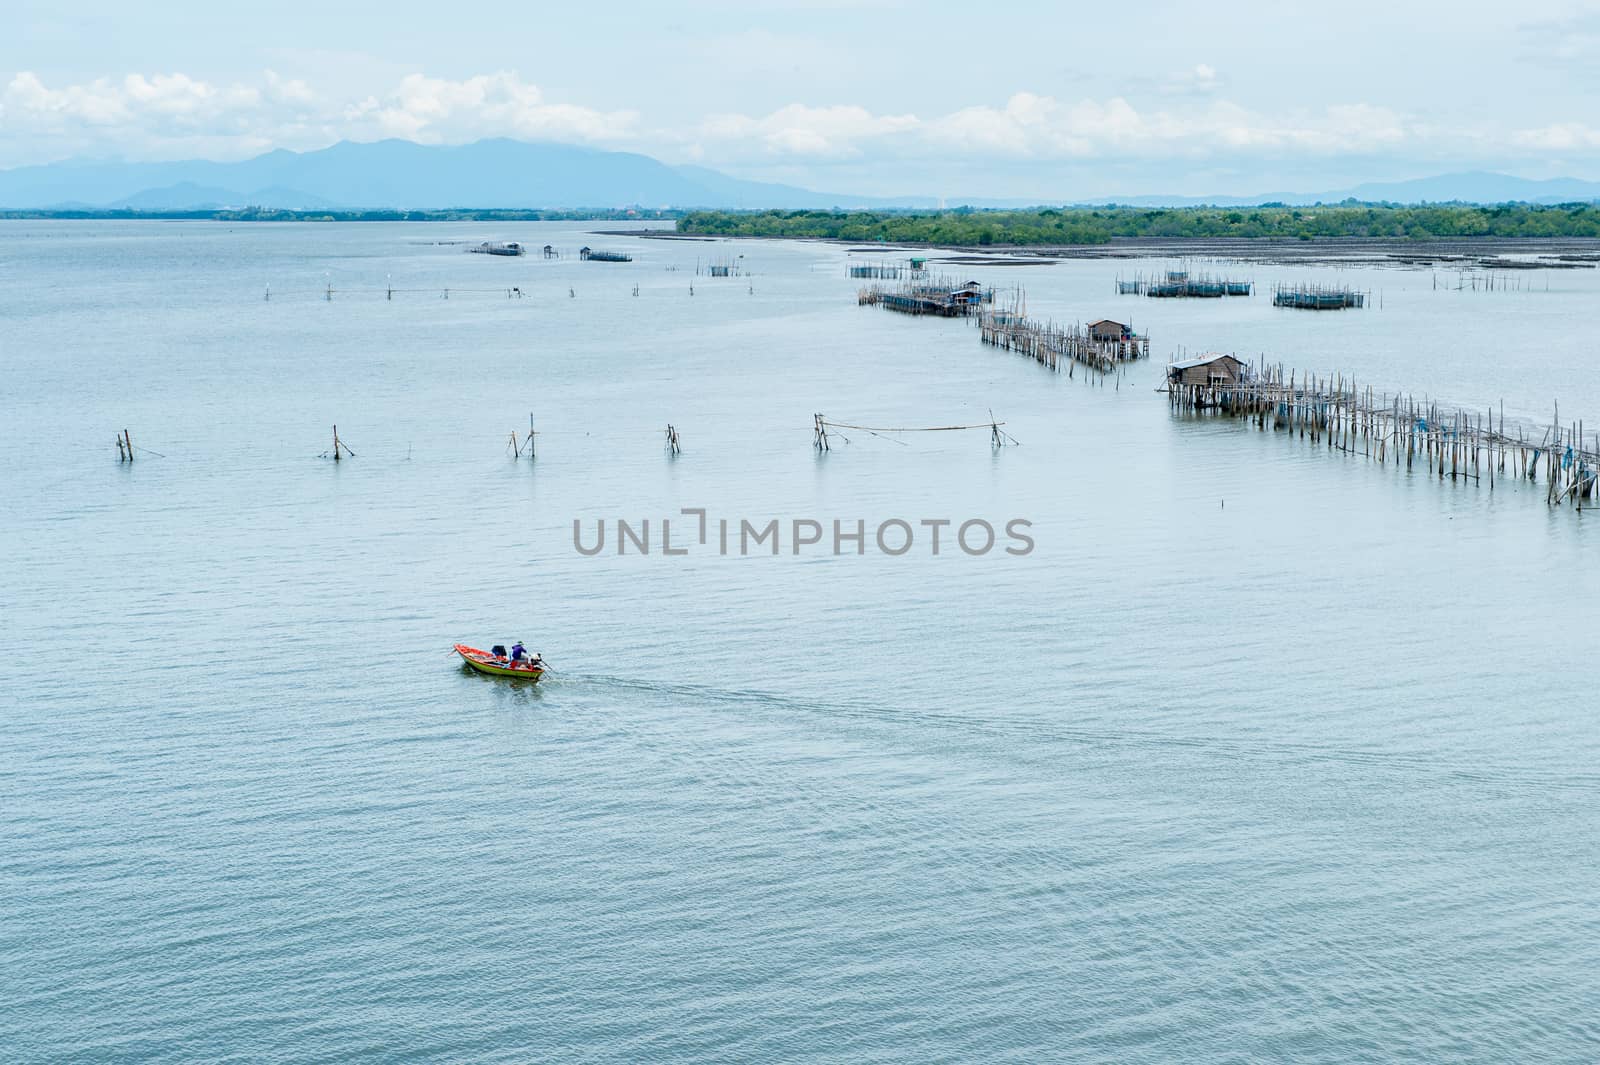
[
  {"x": 1058, "y": 346},
  {"x": 1392, "y": 427},
  {"x": 934, "y": 296}
]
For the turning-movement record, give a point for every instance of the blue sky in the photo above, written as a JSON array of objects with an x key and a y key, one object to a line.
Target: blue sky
[{"x": 934, "y": 98}]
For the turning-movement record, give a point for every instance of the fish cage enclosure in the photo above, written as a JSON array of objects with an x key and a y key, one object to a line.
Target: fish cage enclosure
[
  {"x": 1317, "y": 297},
  {"x": 1181, "y": 284}
]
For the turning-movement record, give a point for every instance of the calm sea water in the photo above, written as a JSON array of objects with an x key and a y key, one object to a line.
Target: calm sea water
[{"x": 1263, "y": 753}]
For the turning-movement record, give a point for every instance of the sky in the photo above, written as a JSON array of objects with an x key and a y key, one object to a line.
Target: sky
[{"x": 1050, "y": 100}]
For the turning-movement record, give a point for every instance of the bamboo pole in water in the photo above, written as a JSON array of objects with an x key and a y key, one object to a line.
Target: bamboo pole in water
[{"x": 1457, "y": 443}]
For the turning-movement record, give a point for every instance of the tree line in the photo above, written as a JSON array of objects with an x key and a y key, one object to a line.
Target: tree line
[{"x": 1099, "y": 225}]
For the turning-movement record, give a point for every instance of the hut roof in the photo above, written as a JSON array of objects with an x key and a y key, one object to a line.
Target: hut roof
[
  {"x": 1108, "y": 321},
  {"x": 1201, "y": 360}
]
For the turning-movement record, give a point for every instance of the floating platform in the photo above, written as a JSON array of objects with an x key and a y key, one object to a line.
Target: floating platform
[{"x": 498, "y": 247}]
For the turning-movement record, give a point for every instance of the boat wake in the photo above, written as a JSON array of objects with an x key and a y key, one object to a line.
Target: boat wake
[{"x": 1041, "y": 730}]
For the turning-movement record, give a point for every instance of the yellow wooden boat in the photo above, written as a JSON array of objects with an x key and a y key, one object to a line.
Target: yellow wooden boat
[{"x": 499, "y": 665}]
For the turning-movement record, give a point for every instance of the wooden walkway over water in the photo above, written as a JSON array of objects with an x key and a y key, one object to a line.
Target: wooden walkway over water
[
  {"x": 1455, "y": 442},
  {"x": 940, "y": 297},
  {"x": 1056, "y": 346},
  {"x": 1450, "y": 442}
]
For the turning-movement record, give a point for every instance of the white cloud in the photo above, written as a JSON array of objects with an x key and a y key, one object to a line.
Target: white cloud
[
  {"x": 289, "y": 91},
  {"x": 27, "y": 101},
  {"x": 175, "y": 115},
  {"x": 147, "y": 116},
  {"x": 1561, "y": 137},
  {"x": 1033, "y": 127},
  {"x": 436, "y": 110},
  {"x": 1041, "y": 127},
  {"x": 160, "y": 98},
  {"x": 798, "y": 130},
  {"x": 1200, "y": 80},
  {"x": 1572, "y": 42}
]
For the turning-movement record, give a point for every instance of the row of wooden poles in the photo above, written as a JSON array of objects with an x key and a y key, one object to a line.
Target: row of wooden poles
[
  {"x": 1490, "y": 282},
  {"x": 389, "y": 292},
  {"x": 822, "y": 440},
  {"x": 1058, "y": 346},
  {"x": 1452, "y": 442},
  {"x": 525, "y": 446},
  {"x": 514, "y": 292}
]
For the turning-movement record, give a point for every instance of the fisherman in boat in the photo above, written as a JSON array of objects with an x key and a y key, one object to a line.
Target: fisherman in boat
[{"x": 518, "y": 655}]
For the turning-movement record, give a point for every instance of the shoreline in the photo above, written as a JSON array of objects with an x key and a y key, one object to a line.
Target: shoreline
[{"x": 1562, "y": 252}]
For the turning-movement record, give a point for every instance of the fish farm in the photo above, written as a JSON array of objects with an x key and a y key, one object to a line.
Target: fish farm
[
  {"x": 1059, "y": 347},
  {"x": 1180, "y": 284},
  {"x": 1317, "y": 297},
  {"x": 932, "y": 296},
  {"x": 593, "y": 256},
  {"x": 875, "y": 271},
  {"x": 1384, "y": 427}
]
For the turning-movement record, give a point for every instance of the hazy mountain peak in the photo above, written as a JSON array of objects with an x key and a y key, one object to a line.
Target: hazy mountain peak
[{"x": 501, "y": 172}]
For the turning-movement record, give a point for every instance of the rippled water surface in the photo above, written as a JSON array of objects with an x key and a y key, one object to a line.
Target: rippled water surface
[{"x": 1263, "y": 753}]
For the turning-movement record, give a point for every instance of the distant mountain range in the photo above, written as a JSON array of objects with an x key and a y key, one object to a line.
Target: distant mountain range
[
  {"x": 512, "y": 174},
  {"x": 405, "y": 175}
]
